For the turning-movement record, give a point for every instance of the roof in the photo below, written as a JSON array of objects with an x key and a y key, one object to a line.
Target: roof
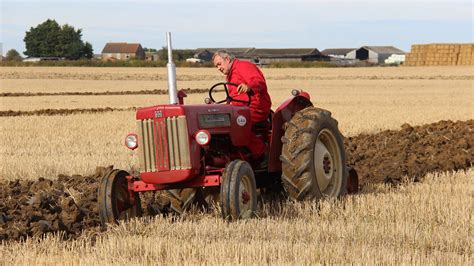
[
  {"x": 283, "y": 52},
  {"x": 384, "y": 49},
  {"x": 337, "y": 51},
  {"x": 234, "y": 51},
  {"x": 121, "y": 47}
]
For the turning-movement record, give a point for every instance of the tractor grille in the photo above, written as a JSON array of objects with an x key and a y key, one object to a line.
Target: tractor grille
[{"x": 163, "y": 145}]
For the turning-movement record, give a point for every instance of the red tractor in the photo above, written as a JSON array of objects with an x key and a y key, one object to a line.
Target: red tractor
[{"x": 203, "y": 147}]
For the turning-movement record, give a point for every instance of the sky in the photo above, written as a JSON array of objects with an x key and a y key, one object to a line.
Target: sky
[{"x": 246, "y": 23}]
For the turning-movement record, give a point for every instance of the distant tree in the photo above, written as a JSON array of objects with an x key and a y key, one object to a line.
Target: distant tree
[
  {"x": 51, "y": 39},
  {"x": 185, "y": 54},
  {"x": 13, "y": 55},
  {"x": 88, "y": 52},
  {"x": 43, "y": 40},
  {"x": 178, "y": 55},
  {"x": 149, "y": 49},
  {"x": 70, "y": 43},
  {"x": 163, "y": 53}
]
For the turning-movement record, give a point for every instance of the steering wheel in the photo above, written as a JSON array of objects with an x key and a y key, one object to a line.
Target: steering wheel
[{"x": 228, "y": 98}]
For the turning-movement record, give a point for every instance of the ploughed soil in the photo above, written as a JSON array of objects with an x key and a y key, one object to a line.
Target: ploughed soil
[
  {"x": 137, "y": 92},
  {"x": 393, "y": 156},
  {"x": 68, "y": 205},
  {"x": 51, "y": 112}
]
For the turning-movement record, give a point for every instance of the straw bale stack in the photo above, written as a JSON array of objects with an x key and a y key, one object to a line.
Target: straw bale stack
[{"x": 440, "y": 55}]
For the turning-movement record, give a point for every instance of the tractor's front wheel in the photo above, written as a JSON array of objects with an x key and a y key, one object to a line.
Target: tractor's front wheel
[
  {"x": 238, "y": 191},
  {"x": 116, "y": 202},
  {"x": 313, "y": 156}
]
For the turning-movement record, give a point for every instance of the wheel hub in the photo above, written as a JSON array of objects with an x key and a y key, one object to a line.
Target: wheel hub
[
  {"x": 323, "y": 165},
  {"x": 326, "y": 164},
  {"x": 245, "y": 197}
]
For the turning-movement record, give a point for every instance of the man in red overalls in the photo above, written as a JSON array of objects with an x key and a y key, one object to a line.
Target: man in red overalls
[{"x": 250, "y": 80}]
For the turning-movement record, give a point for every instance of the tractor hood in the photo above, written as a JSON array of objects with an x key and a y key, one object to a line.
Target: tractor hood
[{"x": 215, "y": 118}]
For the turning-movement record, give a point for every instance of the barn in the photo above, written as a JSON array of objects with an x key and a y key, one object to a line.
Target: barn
[
  {"x": 374, "y": 54},
  {"x": 151, "y": 56},
  {"x": 122, "y": 51},
  {"x": 205, "y": 54},
  {"x": 267, "y": 56},
  {"x": 339, "y": 53}
]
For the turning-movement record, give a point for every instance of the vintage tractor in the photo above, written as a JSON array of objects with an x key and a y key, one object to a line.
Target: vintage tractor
[{"x": 185, "y": 148}]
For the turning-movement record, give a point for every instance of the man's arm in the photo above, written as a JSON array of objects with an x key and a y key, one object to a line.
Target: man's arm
[{"x": 252, "y": 80}]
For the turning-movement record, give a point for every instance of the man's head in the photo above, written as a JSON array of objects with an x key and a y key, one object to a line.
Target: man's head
[{"x": 223, "y": 61}]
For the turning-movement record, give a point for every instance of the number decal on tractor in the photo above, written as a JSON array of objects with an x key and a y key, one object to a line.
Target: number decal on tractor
[{"x": 241, "y": 120}]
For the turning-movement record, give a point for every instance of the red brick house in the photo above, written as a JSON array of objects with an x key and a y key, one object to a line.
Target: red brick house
[{"x": 122, "y": 51}]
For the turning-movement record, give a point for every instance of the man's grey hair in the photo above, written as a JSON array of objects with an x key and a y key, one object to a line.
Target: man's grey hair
[{"x": 224, "y": 54}]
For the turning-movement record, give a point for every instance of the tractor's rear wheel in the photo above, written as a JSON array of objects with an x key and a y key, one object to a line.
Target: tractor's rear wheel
[
  {"x": 116, "y": 202},
  {"x": 238, "y": 191},
  {"x": 313, "y": 157}
]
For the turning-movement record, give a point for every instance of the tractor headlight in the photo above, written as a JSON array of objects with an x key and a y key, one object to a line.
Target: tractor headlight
[
  {"x": 131, "y": 141},
  {"x": 202, "y": 137}
]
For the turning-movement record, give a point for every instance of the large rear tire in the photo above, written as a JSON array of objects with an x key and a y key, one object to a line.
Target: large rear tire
[
  {"x": 313, "y": 157},
  {"x": 114, "y": 198},
  {"x": 238, "y": 191}
]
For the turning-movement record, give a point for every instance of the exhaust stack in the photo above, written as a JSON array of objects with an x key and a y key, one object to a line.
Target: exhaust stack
[{"x": 173, "y": 92}]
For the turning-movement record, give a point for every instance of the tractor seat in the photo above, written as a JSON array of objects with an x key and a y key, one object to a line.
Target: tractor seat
[{"x": 263, "y": 126}]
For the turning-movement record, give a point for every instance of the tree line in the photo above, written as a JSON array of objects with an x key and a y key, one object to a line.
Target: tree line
[{"x": 49, "y": 39}]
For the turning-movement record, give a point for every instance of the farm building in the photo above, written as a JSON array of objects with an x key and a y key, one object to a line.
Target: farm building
[
  {"x": 151, "y": 56},
  {"x": 122, "y": 51},
  {"x": 374, "y": 54},
  {"x": 340, "y": 53},
  {"x": 44, "y": 58},
  {"x": 205, "y": 54},
  {"x": 266, "y": 56}
]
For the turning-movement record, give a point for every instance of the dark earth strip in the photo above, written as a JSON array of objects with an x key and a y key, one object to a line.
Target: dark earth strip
[
  {"x": 138, "y": 92},
  {"x": 51, "y": 112}
]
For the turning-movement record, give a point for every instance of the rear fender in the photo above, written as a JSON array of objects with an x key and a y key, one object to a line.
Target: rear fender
[{"x": 282, "y": 115}]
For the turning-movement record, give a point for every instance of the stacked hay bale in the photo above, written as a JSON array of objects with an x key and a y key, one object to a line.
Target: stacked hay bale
[{"x": 440, "y": 55}]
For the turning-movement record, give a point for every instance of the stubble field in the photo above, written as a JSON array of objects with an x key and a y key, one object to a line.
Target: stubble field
[{"x": 70, "y": 120}]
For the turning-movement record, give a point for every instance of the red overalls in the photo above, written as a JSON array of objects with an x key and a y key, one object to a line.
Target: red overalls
[{"x": 260, "y": 102}]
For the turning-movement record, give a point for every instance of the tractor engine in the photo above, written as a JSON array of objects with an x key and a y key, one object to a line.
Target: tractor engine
[{"x": 177, "y": 142}]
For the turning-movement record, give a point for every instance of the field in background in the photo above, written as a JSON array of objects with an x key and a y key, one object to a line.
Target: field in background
[{"x": 428, "y": 222}]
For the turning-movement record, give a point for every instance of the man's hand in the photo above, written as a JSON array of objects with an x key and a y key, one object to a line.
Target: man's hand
[{"x": 243, "y": 88}]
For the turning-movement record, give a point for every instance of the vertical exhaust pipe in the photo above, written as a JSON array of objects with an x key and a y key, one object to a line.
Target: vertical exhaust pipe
[{"x": 173, "y": 92}]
